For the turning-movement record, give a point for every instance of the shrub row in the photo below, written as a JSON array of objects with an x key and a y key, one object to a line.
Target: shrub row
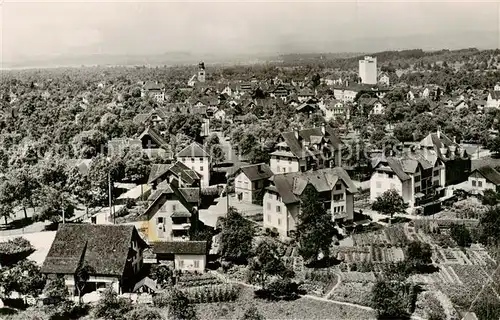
[{"x": 212, "y": 293}]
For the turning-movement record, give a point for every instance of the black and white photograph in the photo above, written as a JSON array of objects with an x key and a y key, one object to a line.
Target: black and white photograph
[{"x": 249, "y": 160}]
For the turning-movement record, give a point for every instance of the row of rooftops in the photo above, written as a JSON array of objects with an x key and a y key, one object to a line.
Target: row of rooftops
[
  {"x": 290, "y": 186},
  {"x": 434, "y": 148}
]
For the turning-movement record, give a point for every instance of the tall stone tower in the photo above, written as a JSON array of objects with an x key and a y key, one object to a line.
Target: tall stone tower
[{"x": 201, "y": 72}]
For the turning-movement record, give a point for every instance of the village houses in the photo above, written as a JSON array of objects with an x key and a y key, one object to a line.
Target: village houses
[
  {"x": 114, "y": 253},
  {"x": 483, "y": 178},
  {"x": 250, "y": 181},
  {"x": 418, "y": 175},
  {"x": 282, "y": 198},
  {"x": 307, "y": 149},
  {"x": 198, "y": 159}
]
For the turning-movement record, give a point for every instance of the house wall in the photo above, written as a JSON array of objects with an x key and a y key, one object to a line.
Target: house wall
[
  {"x": 338, "y": 207},
  {"x": 69, "y": 280},
  {"x": 275, "y": 213},
  {"x": 163, "y": 232},
  {"x": 457, "y": 170},
  {"x": 190, "y": 262},
  {"x": 382, "y": 181},
  {"x": 478, "y": 184},
  {"x": 244, "y": 186},
  {"x": 284, "y": 165},
  {"x": 349, "y": 207},
  {"x": 200, "y": 165}
]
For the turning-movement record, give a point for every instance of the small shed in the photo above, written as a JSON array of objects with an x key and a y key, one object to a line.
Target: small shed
[
  {"x": 145, "y": 285},
  {"x": 187, "y": 255}
]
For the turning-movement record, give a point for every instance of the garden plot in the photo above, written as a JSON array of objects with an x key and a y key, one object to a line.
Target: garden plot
[
  {"x": 317, "y": 282},
  {"x": 445, "y": 275},
  {"x": 354, "y": 276},
  {"x": 353, "y": 292},
  {"x": 470, "y": 275}
]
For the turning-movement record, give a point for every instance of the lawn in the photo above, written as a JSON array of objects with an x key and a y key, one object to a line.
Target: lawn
[{"x": 303, "y": 308}]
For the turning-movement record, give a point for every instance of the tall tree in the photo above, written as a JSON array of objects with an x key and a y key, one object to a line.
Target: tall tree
[
  {"x": 236, "y": 236},
  {"x": 82, "y": 275},
  {"x": 7, "y": 199},
  {"x": 389, "y": 203},
  {"x": 489, "y": 227},
  {"x": 315, "y": 228},
  {"x": 26, "y": 185},
  {"x": 25, "y": 277},
  {"x": 267, "y": 262}
]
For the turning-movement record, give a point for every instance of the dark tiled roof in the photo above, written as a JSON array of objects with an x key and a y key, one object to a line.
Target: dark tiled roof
[
  {"x": 256, "y": 171},
  {"x": 291, "y": 185},
  {"x": 150, "y": 85},
  {"x": 179, "y": 169},
  {"x": 155, "y": 135},
  {"x": 185, "y": 173},
  {"x": 306, "y": 106},
  {"x": 104, "y": 247},
  {"x": 296, "y": 146},
  {"x": 490, "y": 174},
  {"x": 440, "y": 141},
  {"x": 180, "y": 247},
  {"x": 192, "y": 195},
  {"x": 193, "y": 150},
  {"x": 165, "y": 191},
  {"x": 157, "y": 170},
  {"x": 306, "y": 92},
  {"x": 141, "y": 118}
]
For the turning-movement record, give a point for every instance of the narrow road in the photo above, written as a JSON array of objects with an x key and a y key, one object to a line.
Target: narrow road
[
  {"x": 225, "y": 279},
  {"x": 339, "y": 280}
]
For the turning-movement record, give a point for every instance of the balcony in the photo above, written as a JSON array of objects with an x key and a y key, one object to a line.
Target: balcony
[
  {"x": 337, "y": 215},
  {"x": 181, "y": 226}
]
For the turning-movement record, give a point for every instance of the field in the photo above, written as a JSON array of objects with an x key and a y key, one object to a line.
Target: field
[{"x": 303, "y": 308}]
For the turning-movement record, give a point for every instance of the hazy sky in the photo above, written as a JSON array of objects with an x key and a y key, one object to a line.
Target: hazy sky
[{"x": 39, "y": 28}]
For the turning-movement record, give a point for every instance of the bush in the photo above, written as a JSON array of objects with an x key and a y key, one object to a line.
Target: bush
[
  {"x": 461, "y": 235},
  {"x": 252, "y": 314},
  {"x": 14, "y": 250},
  {"x": 177, "y": 303},
  {"x": 111, "y": 307},
  {"x": 143, "y": 313},
  {"x": 67, "y": 310},
  {"x": 279, "y": 289},
  {"x": 435, "y": 310},
  {"x": 212, "y": 293}
]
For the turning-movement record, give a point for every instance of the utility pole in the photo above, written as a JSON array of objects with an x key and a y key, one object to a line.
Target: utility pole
[
  {"x": 63, "y": 216},
  {"x": 109, "y": 196}
]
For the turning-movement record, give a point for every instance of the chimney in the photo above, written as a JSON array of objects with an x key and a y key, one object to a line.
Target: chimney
[
  {"x": 296, "y": 133},
  {"x": 259, "y": 168},
  {"x": 323, "y": 129},
  {"x": 439, "y": 132},
  {"x": 454, "y": 139}
]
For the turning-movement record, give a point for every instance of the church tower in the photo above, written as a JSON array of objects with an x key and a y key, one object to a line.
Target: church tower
[{"x": 201, "y": 72}]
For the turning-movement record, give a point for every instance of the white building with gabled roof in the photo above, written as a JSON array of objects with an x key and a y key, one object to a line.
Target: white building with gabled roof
[{"x": 198, "y": 159}]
